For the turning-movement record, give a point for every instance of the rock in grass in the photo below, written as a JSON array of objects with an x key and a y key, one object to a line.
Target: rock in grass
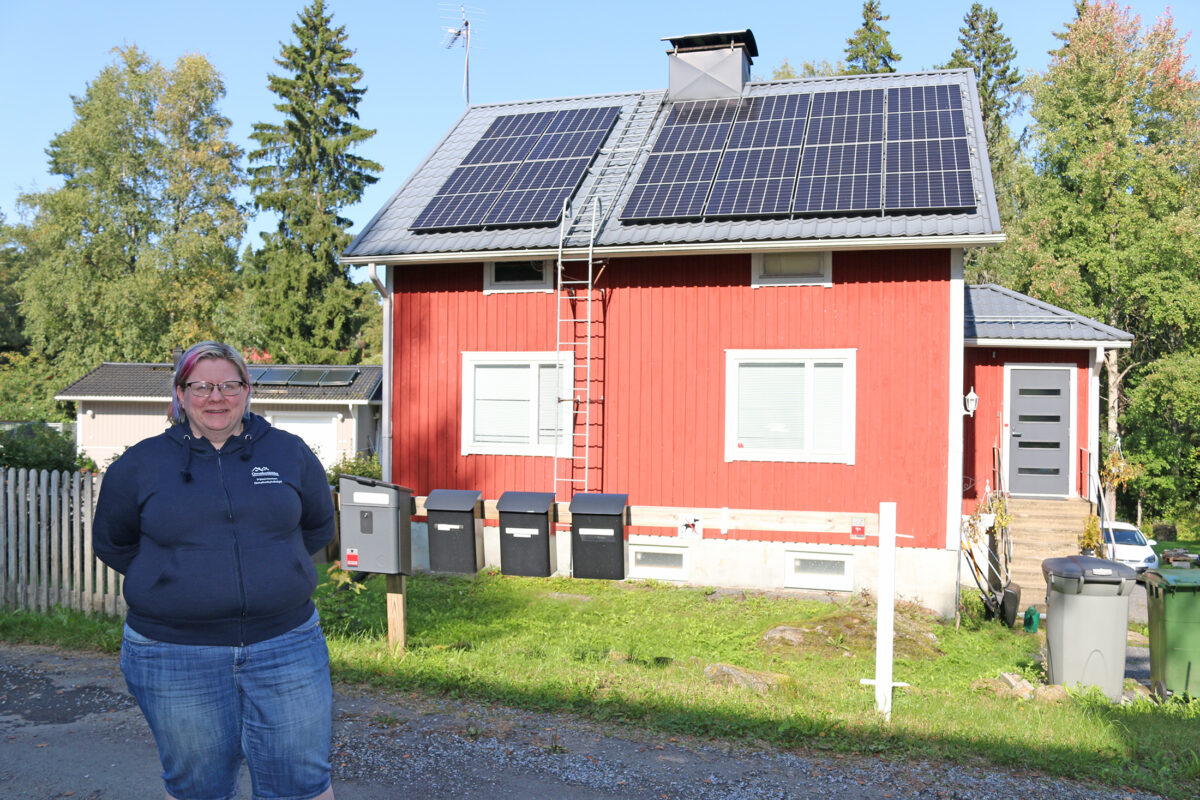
[{"x": 729, "y": 675}]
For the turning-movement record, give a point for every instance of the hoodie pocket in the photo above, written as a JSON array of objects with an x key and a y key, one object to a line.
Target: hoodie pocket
[
  {"x": 183, "y": 584},
  {"x": 279, "y": 577}
]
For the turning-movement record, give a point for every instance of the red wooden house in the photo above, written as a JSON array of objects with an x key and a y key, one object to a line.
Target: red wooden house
[{"x": 741, "y": 303}]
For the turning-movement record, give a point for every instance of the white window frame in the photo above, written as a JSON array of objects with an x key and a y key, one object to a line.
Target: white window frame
[
  {"x": 492, "y": 286},
  {"x": 735, "y": 358},
  {"x": 659, "y": 573},
  {"x": 759, "y": 280},
  {"x": 470, "y": 360},
  {"x": 796, "y": 580}
]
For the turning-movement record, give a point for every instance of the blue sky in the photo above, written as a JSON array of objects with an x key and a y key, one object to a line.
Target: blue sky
[{"x": 51, "y": 49}]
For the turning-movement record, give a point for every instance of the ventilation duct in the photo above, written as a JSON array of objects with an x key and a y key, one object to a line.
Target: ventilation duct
[{"x": 710, "y": 65}]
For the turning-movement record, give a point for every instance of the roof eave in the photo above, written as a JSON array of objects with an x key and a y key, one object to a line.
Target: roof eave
[
  {"x": 691, "y": 248},
  {"x": 1072, "y": 344}
]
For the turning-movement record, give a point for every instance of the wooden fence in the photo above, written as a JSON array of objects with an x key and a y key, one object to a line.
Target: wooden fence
[{"x": 46, "y": 558}]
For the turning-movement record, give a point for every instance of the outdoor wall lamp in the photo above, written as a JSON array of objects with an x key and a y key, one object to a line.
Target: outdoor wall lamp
[{"x": 970, "y": 403}]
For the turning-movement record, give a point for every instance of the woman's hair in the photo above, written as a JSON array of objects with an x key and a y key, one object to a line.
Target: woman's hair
[{"x": 188, "y": 361}]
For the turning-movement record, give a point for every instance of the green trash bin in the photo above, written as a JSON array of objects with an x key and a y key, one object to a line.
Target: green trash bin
[{"x": 1173, "y": 603}]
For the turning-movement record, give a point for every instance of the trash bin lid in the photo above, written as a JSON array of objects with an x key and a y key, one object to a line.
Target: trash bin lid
[
  {"x": 347, "y": 484},
  {"x": 1173, "y": 579},
  {"x": 1089, "y": 569},
  {"x": 525, "y": 502},
  {"x": 452, "y": 500},
  {"x": 598, "y": 503}
]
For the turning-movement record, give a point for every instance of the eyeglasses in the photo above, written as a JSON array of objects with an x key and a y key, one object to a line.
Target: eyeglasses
[{"x": 226, "y": 388}]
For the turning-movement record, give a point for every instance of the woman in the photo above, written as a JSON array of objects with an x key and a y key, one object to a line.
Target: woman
[{"x": 213, "y": 523}]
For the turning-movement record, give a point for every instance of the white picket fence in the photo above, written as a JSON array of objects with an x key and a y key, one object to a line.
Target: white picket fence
[{"x": 46, "y": 560}]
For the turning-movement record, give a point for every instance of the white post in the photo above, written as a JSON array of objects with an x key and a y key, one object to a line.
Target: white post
[{"x": 885, "y": 624}]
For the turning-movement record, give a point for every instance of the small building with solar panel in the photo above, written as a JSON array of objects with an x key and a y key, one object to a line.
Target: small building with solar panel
[
  {"x": 741, "y": 303},
  {"x": 334, "y": 409}
]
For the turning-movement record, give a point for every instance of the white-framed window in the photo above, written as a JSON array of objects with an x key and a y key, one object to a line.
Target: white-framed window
[
  {"x": 803, "y": 268},
  {"x": 790, "y": 405},
  {"x": 518, "y": 276},
  {"x": 510, "y": 403},
  {"x": 823, "y": 571},
  {"x": 658, "y": 561}
]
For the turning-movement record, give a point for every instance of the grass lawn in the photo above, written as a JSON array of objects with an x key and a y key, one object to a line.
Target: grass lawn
[{"x": 637, "y": 653}]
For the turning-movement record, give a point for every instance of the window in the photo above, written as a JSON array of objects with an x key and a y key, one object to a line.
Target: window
[
  {"x": 828, "y": 571},
  {"x": 807, "y": 268},
  {"x": 510, "y": 404},
  {"x": 659, "y": 562},
  {"x": 790, "y": 405},
  {"x": 518, "y": 276}
]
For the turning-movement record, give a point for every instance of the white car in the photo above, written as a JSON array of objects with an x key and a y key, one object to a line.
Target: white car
[{"x": 1123, "y": 542}]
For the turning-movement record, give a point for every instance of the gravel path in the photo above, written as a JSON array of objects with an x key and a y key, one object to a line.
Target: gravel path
[{"x": 69, "y": 729}]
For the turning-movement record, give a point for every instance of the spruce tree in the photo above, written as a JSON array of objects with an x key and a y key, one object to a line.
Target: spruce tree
[
  {"x": 868, "y": 50},
  {"x": 302, "y": 306},
  {"x": 983, "y": 46}
]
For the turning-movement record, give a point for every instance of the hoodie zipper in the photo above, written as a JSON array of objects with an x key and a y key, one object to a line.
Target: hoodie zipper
[{"x": 237, "y": 555}]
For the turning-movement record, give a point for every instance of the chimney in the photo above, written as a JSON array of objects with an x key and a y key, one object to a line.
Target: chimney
[{"x": 705, "y": 66}]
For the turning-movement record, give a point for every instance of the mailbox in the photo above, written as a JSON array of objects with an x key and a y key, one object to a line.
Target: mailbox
[
  {"x": 598, "y": 535},
  {"x": 455, "y": 530},
  {"x": 376, "y": 520},
  {"x": 525, "y": 529}
]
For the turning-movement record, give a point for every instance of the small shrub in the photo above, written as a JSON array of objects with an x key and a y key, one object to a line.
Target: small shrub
[
  {"x": 37, "y": 446},
  {"x": 360, "y": 464}
]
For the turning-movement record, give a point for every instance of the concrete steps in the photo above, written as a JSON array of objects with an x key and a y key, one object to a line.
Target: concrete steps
[{"x": 1042, "y": 529}]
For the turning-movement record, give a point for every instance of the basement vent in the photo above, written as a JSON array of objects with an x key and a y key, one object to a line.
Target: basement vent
[
  {"x": 660, "y": 562},
  {"x": 831, "y": 572}
]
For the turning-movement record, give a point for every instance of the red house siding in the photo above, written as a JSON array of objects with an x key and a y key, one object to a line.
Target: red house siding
[
  {"x": 983, "y": 434},
  {"x": 660, "y": 367}
]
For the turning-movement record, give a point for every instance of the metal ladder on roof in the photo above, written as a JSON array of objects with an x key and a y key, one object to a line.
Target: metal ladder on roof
[{"x": 579, "y": 307}]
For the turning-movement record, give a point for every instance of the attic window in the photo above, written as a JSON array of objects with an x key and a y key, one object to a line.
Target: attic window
[
  {"x": 810, "y": 268},
  {"x": 518, "y": 276}
]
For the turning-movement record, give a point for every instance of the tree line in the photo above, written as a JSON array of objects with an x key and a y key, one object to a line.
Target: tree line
[{"x": 137, "y": 251}]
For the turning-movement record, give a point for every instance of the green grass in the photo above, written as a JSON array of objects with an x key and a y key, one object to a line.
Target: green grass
[{"x": 636, "y": 653}]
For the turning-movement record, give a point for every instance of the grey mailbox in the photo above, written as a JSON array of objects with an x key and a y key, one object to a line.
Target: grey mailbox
[
  {"x": 525, "y": 528},
  {"x": 376, "y": 521},
  {"x": 598, "y": 535},
  {"x": 455, "y": 530}
]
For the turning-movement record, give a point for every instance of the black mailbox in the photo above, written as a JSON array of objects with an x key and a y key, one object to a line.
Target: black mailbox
[
  {"x": 598, "y": 535},
  {"x": 455, "y": 530},
  {"x": 376, "y": 522},
  {"x": 525, "y": 529}
]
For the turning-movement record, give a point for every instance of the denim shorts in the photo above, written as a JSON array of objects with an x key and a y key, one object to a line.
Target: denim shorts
[{"x": 209, "y": 707}]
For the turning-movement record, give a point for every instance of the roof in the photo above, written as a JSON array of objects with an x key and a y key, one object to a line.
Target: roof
[
  {"x": 613, "y": 174},
  {"x": 140, "y": 382},
  {"x": 993, "y": 313}
]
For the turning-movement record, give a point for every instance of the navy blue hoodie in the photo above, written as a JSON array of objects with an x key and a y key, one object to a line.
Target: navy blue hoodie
[{"x": 215, "y": 545}]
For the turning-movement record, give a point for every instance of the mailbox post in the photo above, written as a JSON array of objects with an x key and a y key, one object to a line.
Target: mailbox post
[{"x": 376, "y": 533}]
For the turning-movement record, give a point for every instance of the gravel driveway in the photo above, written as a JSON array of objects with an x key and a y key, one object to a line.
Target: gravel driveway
[{"x": 68, "y": 729}]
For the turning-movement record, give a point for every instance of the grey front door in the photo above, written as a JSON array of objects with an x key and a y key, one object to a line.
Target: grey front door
[{"x": 1039, "y": 457}]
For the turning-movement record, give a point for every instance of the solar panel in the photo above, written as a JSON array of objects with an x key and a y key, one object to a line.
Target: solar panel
[
  {"x": 255, "y": 373},
  {"x": 928, "y": 161},
  {"x": 757, "y": 174},
  {"x": 520, "y": 171},
  {"x": 307, "y": 376},
  {"x": 339, "y": 377},
  {"x": 675, "y": 182},
  {"x": 276, "y": 376},
  {"x": 842, "y": 166}
]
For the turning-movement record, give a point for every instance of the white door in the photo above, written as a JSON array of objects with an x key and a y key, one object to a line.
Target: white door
[{"x": 319, "y": 432}]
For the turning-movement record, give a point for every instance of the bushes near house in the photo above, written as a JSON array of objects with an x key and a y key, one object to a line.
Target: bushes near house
[
  {"x": 37, "y": 446},
  {"x": 361, "y": 464}
]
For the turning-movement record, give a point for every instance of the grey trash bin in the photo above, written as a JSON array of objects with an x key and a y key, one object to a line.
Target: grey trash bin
[
  {"x": 525, "y": 534},
  {"x": 376, "y": 521},
  {"x": 455, "y": 530},
  {"x": 598, "y": 535},
  {"x": 1087, "y": 621}
]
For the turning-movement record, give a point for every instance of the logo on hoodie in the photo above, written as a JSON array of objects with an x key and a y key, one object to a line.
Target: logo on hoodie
[{"x": 263, "y": 476}]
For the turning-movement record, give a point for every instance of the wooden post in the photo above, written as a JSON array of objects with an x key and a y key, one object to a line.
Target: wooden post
[{"x": 395, "y": 613}]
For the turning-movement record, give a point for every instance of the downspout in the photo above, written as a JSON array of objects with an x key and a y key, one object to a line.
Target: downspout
[{"x": 385, "y": 444}]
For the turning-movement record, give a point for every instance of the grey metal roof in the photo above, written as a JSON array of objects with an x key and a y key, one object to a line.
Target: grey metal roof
[
  {"x": 614, "y": 172},
  {"x": 136, "y": 382},
  {"x": 993, "y": 312}
]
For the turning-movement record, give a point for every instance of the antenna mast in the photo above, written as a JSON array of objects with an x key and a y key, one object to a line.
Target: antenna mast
[{"x": 453, "y": 35}]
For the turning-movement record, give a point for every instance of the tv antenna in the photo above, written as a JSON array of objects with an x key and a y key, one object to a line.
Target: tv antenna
[{"x": 461, "y": 32}]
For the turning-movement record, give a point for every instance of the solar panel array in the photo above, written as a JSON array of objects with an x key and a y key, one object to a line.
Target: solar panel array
[
  {"x": 520, "y": 171},
  {"x": 302, "y": 376},
  {"x": 834, "y": 153}
]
